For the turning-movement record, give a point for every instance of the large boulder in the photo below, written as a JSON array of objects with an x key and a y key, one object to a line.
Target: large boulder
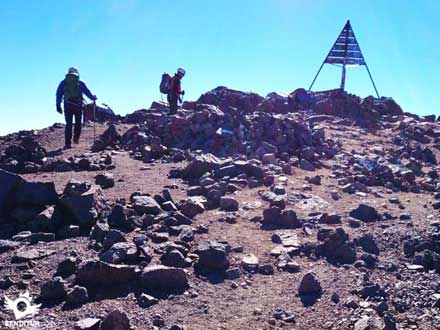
[
  {"x": 9, "y": 182},
  {"x": 93, "y": 273},
  {"x": 200, "y": 165},
  {"x": 36, "y": 194},
  {"x": 163, "y": 277},
  {"x": 146, "y": 205},
  {"x": 82, "y": 208},
  {"x": 212, "y": 255}
]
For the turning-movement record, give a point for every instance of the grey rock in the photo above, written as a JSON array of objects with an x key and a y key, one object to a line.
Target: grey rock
[
  {"x": 146, "y": 205},
  {"x": 93, "y": 273},
  {"x": 175, "y": 258},
  {"x": 120, "y": 252},
  {"x": 201, "y": 165},
  {"x": 162, "y": 277},
  {"x": 213, "y": 255},
  {"x": 250, "y": 262},
  {"x": 82, "y": 210},
  {"x": 233, "y": 273}
]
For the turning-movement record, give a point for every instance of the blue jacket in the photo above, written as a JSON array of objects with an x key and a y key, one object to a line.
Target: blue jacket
[{"x": 82, "y": 87}]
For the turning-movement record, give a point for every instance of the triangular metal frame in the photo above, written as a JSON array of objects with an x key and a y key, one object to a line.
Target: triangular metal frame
[{"x": 345, "y": 51}]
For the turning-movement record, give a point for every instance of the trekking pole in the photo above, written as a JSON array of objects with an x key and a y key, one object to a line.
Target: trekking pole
[{"x": 94, "y": 121}]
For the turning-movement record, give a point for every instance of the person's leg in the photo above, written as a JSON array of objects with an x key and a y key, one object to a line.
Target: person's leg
[
  {"x": 173, "y": 106},
  {"x": 78, "y": 123},
  {"x": 68, "y": 115}
]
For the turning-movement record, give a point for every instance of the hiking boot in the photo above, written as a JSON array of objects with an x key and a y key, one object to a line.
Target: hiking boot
[
  {"x": 76, "y": 141},
  {"x": 68, "y": 146}
]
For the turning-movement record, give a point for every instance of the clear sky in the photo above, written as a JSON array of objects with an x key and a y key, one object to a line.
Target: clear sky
[{"x": 122, "y": 47}]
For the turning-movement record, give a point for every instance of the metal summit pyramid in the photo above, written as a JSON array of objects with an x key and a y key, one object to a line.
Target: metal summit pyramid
[{"x": 345, "y": 51}]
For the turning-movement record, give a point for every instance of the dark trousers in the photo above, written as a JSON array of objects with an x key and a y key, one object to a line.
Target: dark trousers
[
  {"x": 173, "y": 105},
  {"x": 72, "y": 110}
]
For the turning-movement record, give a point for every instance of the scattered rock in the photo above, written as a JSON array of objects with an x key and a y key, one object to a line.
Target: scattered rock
[
  {"x": 88, "y": 324},
  {"x": 116, "y": 320},
  {"x": 92, "y": 273},
  {"x": 365, "y": 213},
  {"x": 250, "y": 262},
  {"x": 212, "y": 255},
  {"x": 146, "y": 301},
  {"x": 310, "y": 285},
  {"x": 162, "y": 277},
  {"x": 105, "y": 180},
  {"x": 228, "y": 203}
]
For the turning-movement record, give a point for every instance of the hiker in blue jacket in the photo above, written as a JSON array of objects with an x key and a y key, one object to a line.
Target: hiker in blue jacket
[{"x": 71, "y": 89}]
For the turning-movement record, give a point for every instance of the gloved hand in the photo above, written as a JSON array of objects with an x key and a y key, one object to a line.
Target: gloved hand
[
  {"x": 182, "y": 92},
  {"x": 94, "y": 98},
  {"x": 59, "y": 110}
]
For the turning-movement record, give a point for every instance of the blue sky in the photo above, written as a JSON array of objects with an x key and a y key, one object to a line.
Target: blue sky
[{"x": 122, "y": 47}]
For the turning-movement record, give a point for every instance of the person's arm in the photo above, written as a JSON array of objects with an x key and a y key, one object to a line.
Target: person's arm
[
  {"x": 60, "y": 92},
  {"x": 86, "y": 91},
  {"x": 178, "y": 90},
  {"x": 59, "y": 96}
]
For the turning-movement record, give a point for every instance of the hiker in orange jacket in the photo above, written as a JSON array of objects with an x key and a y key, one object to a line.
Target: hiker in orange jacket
[{"x": 175, "y": 91}]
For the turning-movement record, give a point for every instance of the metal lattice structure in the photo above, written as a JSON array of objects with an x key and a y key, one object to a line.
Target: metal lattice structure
[{"x": 345, "y": 51}]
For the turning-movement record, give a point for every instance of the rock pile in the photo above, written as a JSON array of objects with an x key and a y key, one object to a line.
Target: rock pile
[
  {"x": 36, "y": 207},
  {"x": 23, "y": 154}
]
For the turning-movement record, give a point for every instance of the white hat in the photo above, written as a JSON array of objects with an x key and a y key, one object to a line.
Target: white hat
[
  {"x": 74, "y": 71},
  {"x": 181, "y": 71}
]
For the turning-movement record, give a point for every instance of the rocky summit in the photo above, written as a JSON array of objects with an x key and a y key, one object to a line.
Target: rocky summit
[{"x": 239, "y": 212}]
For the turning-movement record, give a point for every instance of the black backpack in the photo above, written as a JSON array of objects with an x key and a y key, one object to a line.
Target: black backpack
[{"x": 165, "y": 83}]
